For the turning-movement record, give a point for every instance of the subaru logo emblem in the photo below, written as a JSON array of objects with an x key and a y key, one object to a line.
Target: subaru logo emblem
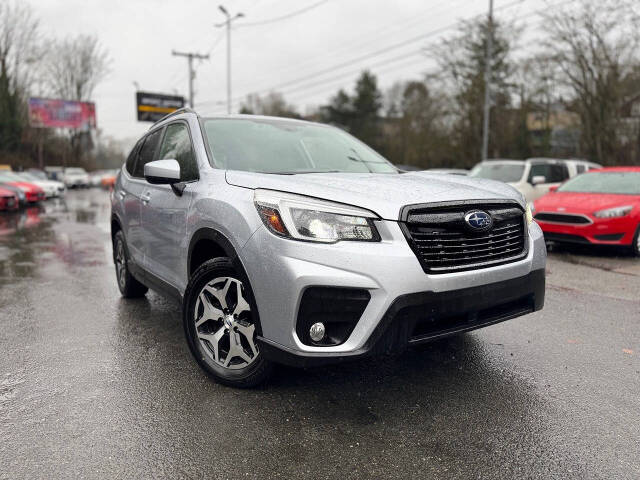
[{"x": 478, "y": 221}]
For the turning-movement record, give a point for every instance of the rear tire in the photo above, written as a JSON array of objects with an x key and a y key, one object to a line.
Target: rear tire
[
  {"x": 221, "y": 324},
  {"x": 128, "y": 285}
]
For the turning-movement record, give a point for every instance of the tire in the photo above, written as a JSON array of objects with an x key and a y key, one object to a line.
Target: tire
[
  {"x": 221, "y": 323},
  {"x": 635, "y": 243},
  {"x": 128, "y": 285}
]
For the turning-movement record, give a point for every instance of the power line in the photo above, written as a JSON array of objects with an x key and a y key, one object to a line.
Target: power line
[{"x": 283, "y": 17}]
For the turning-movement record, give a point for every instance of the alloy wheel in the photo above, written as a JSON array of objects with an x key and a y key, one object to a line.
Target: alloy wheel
[
  {"x": 224, "y": 324},
  {"x": 121, "y": 264}
]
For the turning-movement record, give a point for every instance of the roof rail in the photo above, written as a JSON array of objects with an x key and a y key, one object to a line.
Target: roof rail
[{"x": 172, "y": 114}]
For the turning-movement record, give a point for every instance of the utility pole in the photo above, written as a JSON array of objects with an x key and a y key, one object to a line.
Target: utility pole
[
  {"x": 487, "y": 84},
  {"x": 192, "y": 74},
  {"x": 227, "y": 23}
]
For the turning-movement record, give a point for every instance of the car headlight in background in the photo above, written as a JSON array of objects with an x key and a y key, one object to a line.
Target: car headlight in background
[
  {"x": 528, "y": 213},
  {"x": 613, "y": 212},
  {"x": 315, "y": 220}
]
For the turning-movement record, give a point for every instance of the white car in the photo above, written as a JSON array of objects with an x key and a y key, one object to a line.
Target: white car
[
  {"x": 76, "y": 178},
  {"x": 532, "y": 177},
  {"x": 50, "y": 190}
]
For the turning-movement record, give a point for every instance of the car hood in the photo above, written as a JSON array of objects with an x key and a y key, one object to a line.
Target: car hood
[
  {"x": 384, "y": 194},
  {"x": 582, "y": 202},
  {"x": 29, "y": 187}
]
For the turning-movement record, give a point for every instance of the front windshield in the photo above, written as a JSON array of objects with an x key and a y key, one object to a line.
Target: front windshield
[
  {"x": 504, "y": 172},
  {"x": 622, "y": 183},
  {"x": 286, "y": 147}
]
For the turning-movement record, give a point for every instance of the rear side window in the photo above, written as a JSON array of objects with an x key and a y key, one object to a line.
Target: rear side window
[
  {"x": 553, "y": 173},
  {"x": 131, "y": 159},
  {"x": 177, "y": 145},
  {"x": 581, "y": 168},
  {"x": 147, "y": 152}
]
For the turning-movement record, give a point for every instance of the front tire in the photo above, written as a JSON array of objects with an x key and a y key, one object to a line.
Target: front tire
[
  {"x": 635, "y": 243},
  {"x": 128, "y": 285},
  {"x": 220, "y": 321}
]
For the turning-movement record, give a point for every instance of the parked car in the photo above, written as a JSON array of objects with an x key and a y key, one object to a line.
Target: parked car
[
  {"x": 8, "y": 200},
  {"x": 449, "y": 171},
  {"x": 51, "y": 188},
  {"x": 598, "y": 207},
  {"x": 32, "y": 192},
  {"x": 22, "y": 199},
  {"x": 293, "y": 242},
  {"x": 578, "y": 166},
  {"x": 76, "y": 178},
  {"x": 109, "y": 179},
  {"x": 532, "y": 177}
]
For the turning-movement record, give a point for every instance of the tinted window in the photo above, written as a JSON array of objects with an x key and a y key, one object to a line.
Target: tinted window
[
  {"x": 282, "y": 146},
  {"x": 131, "y": 159},
  {"x": 552, "y": 172},
  {"x": 147, "y": 152},
  {"x": 177, "y": 145},
  {"x": 503, "y": 172},
  {"x": 580, "y": 168},
  {"x": 624, "y": 183}
]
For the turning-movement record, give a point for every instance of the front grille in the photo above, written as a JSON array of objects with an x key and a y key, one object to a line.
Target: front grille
[
  {"x": 444, "y": 243},
  {"x": 563, "y": 218}
]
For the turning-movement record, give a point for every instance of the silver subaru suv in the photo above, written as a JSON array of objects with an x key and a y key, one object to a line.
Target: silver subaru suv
[{"x": 292, "y": 242}]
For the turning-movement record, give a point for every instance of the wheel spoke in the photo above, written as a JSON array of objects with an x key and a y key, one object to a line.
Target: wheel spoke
[
  {"x": 248, "y": 331},
  {"x": 242, "y": 305},
  {"x": 221, "y": 294},
  {"x": 214, "y": 341},
  {"x": 209, "y": 312}
]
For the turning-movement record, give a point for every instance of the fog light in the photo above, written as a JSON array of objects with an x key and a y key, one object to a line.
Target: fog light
[{"x": 316, "y": 332}]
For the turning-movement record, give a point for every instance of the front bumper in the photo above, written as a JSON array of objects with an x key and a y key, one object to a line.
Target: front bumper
[
  {"x": 280, "y": 271},
  {"x": 603, "y": 231}
]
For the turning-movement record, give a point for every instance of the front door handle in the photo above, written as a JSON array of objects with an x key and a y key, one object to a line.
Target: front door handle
[{"x": 145, "y": 198}]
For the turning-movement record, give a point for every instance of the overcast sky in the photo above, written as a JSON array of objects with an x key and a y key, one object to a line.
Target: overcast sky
[{"x": 307, "y": 57}]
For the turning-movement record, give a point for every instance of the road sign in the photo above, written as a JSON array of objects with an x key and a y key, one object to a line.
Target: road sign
[{"x": 151, "y": 107}]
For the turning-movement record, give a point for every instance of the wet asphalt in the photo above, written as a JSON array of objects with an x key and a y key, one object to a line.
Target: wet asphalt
[{"x": 95, "y": 386}]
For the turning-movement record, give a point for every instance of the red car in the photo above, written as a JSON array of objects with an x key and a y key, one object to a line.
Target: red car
[
  {"x": 8, "y": 200},
  {"x": 32, "y": 192},
  {"x": 598, "y": 207}
]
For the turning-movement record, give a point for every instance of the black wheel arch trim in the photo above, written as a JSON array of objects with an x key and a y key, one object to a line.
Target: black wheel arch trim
[{"x": 209, "y": 233}]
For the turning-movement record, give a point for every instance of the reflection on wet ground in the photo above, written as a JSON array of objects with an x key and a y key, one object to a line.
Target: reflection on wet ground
[
  {"x": 28, "y": 239},
  {"x": 96, "y": 386}
]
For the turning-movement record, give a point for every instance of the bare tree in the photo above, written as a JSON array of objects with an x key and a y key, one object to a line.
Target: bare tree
[
  {"x": 76, "y": 66},
  {"x": 19, "y": 48},
  {"x": 595, "y": 47}
]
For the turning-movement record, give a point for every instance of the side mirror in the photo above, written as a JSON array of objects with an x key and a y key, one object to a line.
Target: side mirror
[
  {"x": 162, "y": 172},
  {"x": 553, "y": 188},
  {"x": 538, "y": 179}
]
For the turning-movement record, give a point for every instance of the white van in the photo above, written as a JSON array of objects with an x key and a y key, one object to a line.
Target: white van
[{"x": 532, "y": 177}]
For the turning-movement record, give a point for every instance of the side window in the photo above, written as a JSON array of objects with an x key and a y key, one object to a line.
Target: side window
[
  {"x": 557, "y": 173},
  {"x": 537, "y": 170},
  {"x": 177, "y": 145},
  {"x": 131, "y": 159},
  {"x": 147, "y": 152},
  {"x": 580, "y": 168}
]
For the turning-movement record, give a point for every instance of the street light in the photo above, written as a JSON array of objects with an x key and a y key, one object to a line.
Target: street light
[{"x": 228, "y": 25}]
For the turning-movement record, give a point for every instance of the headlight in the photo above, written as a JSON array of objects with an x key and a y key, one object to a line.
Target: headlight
[
  {"x": 528, "y": 213},
  {"x": 613, "y": 212},
  {"x": 304, "y": 218}
]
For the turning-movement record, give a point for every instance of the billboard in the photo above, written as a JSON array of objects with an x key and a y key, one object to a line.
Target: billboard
[
  {"x": 151, "y": 107},
  {"x": 54, "y": 113}
]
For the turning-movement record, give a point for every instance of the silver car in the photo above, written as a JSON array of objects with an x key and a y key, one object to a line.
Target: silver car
[{"x": 292, "y": 242}]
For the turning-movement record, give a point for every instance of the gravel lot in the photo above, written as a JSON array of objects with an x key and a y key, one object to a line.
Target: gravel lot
[{"x": 94, "y": 386}]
